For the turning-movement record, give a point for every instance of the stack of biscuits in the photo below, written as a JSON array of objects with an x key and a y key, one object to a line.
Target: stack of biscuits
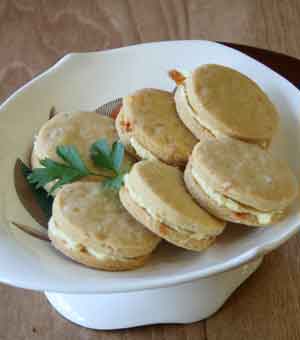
[{"x": 201, "y": 159}]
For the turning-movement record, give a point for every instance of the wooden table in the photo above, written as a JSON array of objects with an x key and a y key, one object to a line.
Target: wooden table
[{"x": 35, "y": 33}]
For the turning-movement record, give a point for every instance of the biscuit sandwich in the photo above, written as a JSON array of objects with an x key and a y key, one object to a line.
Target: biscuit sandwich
[
  {"x": 154, "y": 193},
  {"x": 150, "y": 128},
  {"x": 80, "y": 129},
  {"x": 90, "y": 226},
  {"x": 217, "y": 100},
  {"x": 240, "y": 182}
]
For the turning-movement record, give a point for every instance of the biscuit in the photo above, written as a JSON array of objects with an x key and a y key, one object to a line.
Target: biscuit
[
  {"x": 154, "y": 193},
  {"x": 80, "y": 129},
  {"x": 225, "y": 102},
  {"x": 90, "y": 225},
  {"x": 150, "y": 128},
  {"x": 240, "y": 182}
]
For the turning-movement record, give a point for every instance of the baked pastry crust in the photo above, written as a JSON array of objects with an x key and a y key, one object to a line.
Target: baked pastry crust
[
  {"x": 224, "y": 101},
  {"x": 90, "y": 222},
  {"x": 148, "y": 119},
  {"x": 155, "y": 194}
]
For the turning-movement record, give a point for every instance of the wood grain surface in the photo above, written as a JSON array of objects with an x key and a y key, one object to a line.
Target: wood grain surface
[{"x": 36, "y": 33}]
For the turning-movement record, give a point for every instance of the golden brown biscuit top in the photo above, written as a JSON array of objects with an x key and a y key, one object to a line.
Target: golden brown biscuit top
[
  {"x": 96, "y": 218},
  {"x": 245, "y": 173},
  {"x": 160, "y": 188},
  {"x": 152, "y": 119},
  {"x": 227, "y": 100}
]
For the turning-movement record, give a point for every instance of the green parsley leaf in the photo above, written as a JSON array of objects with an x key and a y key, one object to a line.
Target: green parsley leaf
[
  {"x": 101, "y": 155},
  {"x": 110, "y": 159},
  {"x": 113, "y": 183},
  {"x": 73, "y": 167},
  {"x": 117, "y": 154},
  {"x": 63, "y": 173},
  {"x": 71, "y": 156}
]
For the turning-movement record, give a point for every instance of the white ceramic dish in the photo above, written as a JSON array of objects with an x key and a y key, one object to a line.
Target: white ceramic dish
[{"x": 85, "y": 81}]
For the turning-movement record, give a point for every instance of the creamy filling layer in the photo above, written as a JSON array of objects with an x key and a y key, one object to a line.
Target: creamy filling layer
[
  {"x": 162, "y": 219},
  {"x": 194, "y": 114},
  {"x": 73, "y": 245},
  {"x": 223, "y": 201},
  {"x": 141, "y": 151}
]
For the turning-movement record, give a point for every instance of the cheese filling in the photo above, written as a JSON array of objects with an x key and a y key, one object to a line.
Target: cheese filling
[
  {"x": 194, "y": 115},
  {"x": 141, "y": 151},
  {"x": 162, "y": 219},
  {"x": 73, "y": 245},
  {"x": 223, "y": 201}
]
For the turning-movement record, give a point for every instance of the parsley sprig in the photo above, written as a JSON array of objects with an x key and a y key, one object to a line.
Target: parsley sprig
[
  {"x": 110, "y": 159},
  {"x": 73, "y": 167}
]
